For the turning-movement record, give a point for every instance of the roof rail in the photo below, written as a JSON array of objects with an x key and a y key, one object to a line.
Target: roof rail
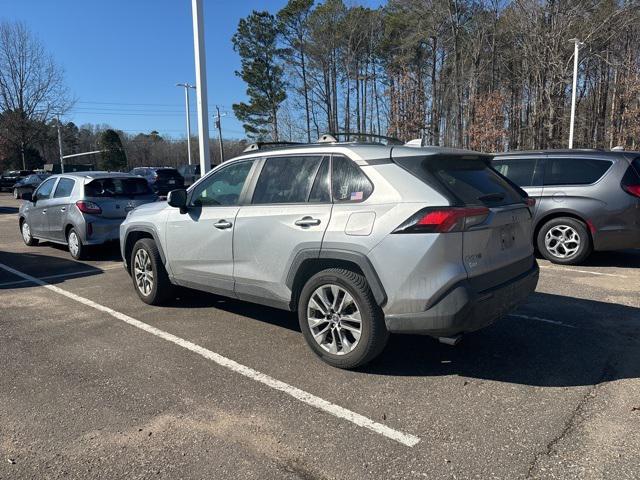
[
  {"x": 265, "y": 145},
  {"x": 357, "y": 137}
]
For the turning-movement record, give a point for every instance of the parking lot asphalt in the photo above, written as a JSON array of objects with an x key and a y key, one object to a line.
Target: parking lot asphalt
[{"x": 96, "y": 384}]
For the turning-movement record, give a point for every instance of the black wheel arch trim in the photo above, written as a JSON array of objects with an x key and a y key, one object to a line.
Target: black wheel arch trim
[
  {"x": 154, "y": 235},
  {"x": 357, "y": 258}
]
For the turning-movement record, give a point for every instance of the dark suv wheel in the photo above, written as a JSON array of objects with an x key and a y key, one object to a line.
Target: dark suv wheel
[
  {"x": 340, "y": 319},
  {"x": 149, "y": 276},
  {"x": 564, "y": 240}
]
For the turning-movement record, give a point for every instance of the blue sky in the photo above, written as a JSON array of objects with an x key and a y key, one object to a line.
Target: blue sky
[{"x": 123, "y": 58}]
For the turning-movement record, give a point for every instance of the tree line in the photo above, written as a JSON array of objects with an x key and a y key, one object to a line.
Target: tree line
[{"x": 482, "y": 74}]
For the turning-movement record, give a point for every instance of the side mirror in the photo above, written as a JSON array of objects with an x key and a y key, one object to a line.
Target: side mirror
[
  {"x": 178, "y": 199},
  {"x": 27, "y": 196}
]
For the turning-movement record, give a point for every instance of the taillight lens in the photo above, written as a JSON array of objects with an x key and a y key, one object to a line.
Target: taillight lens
[
  {"x": 632, "y": 189},
  {"x": 530, "y": 201},
  {"x": 88, "y": 207},
  {"x": 443, "y": 220}
]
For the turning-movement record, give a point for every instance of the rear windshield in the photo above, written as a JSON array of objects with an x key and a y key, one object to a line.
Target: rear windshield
[
  {"x": 468, "y": 181},
  {"x": 117, "y": 187},
  {"x": 167, "y": 172}
]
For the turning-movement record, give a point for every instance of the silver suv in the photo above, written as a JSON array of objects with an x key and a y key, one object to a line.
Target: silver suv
[
  {"x": 361, "y": 240},
  {"x": 81, "y": 209}
]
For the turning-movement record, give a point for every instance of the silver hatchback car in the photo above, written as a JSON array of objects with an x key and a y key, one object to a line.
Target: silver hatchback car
[
  {"x": 360, "y": 240},
  {"x": 81, "y": 209}
]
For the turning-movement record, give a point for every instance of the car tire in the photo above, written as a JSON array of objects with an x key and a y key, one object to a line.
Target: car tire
[
  {"x": 564, "y": 241},
  {"x": 76, "y": 248},
  {"x": 154, "y": 289},
  {"x": 25, "y": 231},
  {"x": 339, "y": 343}
]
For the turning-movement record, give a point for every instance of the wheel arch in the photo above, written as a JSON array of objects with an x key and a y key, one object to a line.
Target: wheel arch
[
  {"x": 311, "y": 261},
  {"x": 133, "y": 236},
  {"x": 559, "y": 214}
]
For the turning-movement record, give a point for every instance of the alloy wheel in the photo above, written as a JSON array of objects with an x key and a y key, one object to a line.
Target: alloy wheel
[
  {"x": 74, "y": 244},
  {"x": 334, "y": 319},
  {"x": 562, "y": 241},
  {"x": 143, "y": 272},
  {"x": 26, "y": 232}
]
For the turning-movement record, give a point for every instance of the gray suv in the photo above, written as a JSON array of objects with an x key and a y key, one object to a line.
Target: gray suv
[
  {"x": 360, "y": 240},
  {"x": 81, "y": 209},
  {"x": 586, "y": 199}
]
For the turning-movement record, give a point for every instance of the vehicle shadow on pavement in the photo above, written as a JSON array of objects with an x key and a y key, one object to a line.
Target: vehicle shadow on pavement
[
  {"x": 8, "y": 211},
  {"x": 52, "y": 269},
  {"x": 619, "y": 259},
  {"x": 592, "y": 342},
  {"x": 108, "y": 252}
]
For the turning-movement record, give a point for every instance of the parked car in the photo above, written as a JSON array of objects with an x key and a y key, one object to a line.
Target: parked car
[
  {"x": 81, "y": 209},
  {"x": 190, "y": 173},
  {"x": 586, "y": 199},
  {"x": 359, "y": 239},
  {"x": 28, "y": 184},
  {"x": 9, "y": 178},
  {"x": 161, "y": 179}
]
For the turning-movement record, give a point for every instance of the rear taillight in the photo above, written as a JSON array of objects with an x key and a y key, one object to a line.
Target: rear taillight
[
  {"x": 88, "y": 207},
  {"x": 530, "y": 201},
  {"x": 632, "y": 189},
  {"x": 443, "y": 220}
]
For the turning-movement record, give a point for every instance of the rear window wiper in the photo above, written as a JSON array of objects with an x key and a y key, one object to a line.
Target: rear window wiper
[{"x": 496, "y": 196}]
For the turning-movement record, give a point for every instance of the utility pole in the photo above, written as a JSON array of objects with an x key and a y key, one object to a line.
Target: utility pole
[
  {"x": 186, "y": 100},
  {"x": 219, "y": 127},
  {"x": 577, "y": 44},
  {"x": 60, "y": 144},
  {"x": 201, "y": 85}
]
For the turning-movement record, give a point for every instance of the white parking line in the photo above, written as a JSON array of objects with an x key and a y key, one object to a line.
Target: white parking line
[
  {"x": 538, "y": 319},
  {"x": 305, "y": 397},
  {"x": 60, "y": 275},
  {"x": 550, "y": 267}
]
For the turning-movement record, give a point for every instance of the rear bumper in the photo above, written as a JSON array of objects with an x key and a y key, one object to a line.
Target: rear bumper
[
  {"x": 464, "y": 309},
  {"x": 101, "y": 230}
]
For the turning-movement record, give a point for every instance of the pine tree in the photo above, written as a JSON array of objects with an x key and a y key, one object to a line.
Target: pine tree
[
  {"x": 113, "y": 156},
  {"x": 256, "y": 42}
]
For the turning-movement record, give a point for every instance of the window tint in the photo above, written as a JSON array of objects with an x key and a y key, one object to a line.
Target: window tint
[
  {"x": 44, "y": 190},
  {"x": 349, "y": 184},
  {"x": 117, "y": 187},
  {"x": 286, "y": 179},
  {"x": 223, "y": 187},
  {"x": 467, "y": 181},
  {"x": 64, "y": 188},
  {"x": 519, "y": 171},
  {"x": 574, "y": 171},
  {"x": 321, "y": 191}
]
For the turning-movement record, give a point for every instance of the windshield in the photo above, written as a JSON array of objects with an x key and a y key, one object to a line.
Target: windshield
[{"x": 117, "y": 187}]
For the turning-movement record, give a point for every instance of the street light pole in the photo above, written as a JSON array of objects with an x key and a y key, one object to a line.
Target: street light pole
[
  {"x": 577, "y": 45},
  {"x": 201, "y": 85},
  {"x": 186, "y": 100},
  {"x": 60, "y": 144},
  {"x": 219, "y": 126}
]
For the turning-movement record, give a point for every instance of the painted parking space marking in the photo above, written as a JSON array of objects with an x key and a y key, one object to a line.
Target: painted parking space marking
[
  {"x": 60, "y": 275},
  {"x": 560, "y": 269},
  {"x": 540, "y": 319},
  {"x": 301, "y": 395}
]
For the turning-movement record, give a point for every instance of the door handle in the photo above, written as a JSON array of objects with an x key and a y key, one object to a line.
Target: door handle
[
  {"x": 307, "y": 222},
  {"x": 44, "y": 212},
  {"x": 63, "y": 209},
  {"x": 222, "y": 225}
]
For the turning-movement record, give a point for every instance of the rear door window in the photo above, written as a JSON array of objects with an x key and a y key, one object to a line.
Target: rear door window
[
  {"x": 117, "y": 187},
  {"x": 574, "y": 171},
  {"x": 64, "y": 188},
  {"x": 466, "y": 181},
  {"x": 286, "y": 179},
  {"x": 321, "y": 190},
  {"x": 348, "y": 182},
  {"x": 520, "y": 171}
]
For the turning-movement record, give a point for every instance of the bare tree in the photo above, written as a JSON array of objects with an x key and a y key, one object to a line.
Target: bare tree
[{"x": 32, "y": 88}]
